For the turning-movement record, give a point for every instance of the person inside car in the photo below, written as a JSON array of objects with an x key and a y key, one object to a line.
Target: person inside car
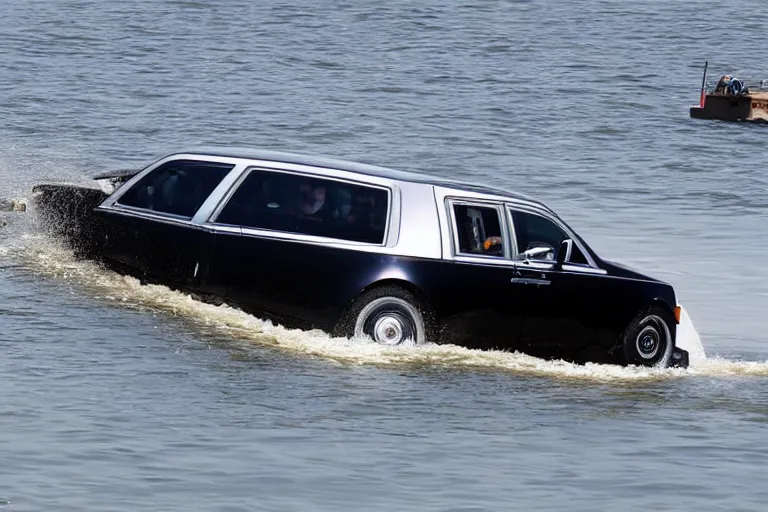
[{"x": 312, "y": 201}]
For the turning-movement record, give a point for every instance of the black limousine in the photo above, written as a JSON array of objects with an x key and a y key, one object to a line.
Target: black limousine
[{"x": 364, "y": 251}]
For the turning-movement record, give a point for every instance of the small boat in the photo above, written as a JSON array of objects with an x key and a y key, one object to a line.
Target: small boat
[{"x": 732, "y": 99}]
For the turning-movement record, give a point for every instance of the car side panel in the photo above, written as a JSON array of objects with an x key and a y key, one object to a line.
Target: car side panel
[
  {"x": 291, "y": 282},
  {"x": 477, "y": 305},
  {"x": 310, "y": 285},
  {"x": 176, "y": 253},
  {"x": 163, "y": 252},
  {"x": 123, "y": 242}
]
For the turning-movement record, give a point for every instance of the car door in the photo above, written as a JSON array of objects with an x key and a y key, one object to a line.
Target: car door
[
  {"x": 562, "y": 310},
  {"x": 487, "y": 313},
  {"x": 148, "y": 226}
]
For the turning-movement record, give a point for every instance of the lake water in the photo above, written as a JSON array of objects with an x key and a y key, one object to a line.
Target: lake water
[{"x": 121, "y": 397}]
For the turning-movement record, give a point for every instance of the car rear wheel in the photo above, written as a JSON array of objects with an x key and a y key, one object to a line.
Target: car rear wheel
[
  {"x": 648, "y": 339},
  {"x": 390, "y": 315}
]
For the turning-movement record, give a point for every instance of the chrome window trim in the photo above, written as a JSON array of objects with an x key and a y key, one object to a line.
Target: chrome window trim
[
  {"x": 225, "y": 196},
  {"x": 484, "y": 260},
  {"x": 302, "y": 238},
  {"x": 450, "y": 204},
  {"x": 210, "y": 204},
  {"x": 310, "y": 240},
  {"x": 468, "y": 195},
  {"x": 231, "y": 230},
  {"x": 140, "y": 213},
  {"x": 581, "y": 269},
  {"x": 393, "y": 205}
]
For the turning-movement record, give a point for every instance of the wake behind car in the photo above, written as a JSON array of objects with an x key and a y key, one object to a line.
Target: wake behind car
[{"x": 365, "y": 251}]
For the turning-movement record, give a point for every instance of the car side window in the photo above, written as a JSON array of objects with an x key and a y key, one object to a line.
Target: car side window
[
  {"x": 478, "y": 230},
  {"x": 178, "y": 187},
  {"x": 541, "y": 238},
  {"x": 308, "y": 205}
]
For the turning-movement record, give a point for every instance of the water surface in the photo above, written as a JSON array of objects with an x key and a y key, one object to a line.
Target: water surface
[{"x": 123, "y": 397}]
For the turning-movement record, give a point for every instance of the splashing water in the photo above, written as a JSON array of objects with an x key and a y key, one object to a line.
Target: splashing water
[
  {"x": 688, "y": 339},
  {"x": 40, "y": 256}
]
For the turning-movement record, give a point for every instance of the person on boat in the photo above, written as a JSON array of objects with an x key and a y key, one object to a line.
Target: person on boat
[{"x": 729, "y": 85}]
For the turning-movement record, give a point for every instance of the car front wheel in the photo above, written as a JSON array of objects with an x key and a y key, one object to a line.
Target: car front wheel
[{"x": 648, "y": 339}]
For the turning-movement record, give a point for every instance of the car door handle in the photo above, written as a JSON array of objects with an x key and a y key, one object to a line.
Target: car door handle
[{"x": 529, "y": 280}]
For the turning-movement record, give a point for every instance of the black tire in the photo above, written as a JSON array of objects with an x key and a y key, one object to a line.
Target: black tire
[
  {"x": 648, "y": 340},
  {"x": 388, "y": 314}
]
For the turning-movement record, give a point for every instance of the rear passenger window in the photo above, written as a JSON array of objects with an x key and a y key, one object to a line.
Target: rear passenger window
[
  {"x": 179, "y": 187},
  {"x": 478, "y": 230},
  {"x": 307, "y": 205}
]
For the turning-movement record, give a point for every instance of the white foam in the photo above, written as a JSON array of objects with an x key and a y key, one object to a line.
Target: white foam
[
  {"x": 688, "y": 339},
  {"x": 44, "y": 258},
  {"x": 722, "y": 367}
]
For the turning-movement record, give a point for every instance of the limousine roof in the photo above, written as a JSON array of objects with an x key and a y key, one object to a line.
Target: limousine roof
[{"x": 350, "y": 166}]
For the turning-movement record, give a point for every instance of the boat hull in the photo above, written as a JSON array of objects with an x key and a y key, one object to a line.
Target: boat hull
[{"x": 749, "y": 107}]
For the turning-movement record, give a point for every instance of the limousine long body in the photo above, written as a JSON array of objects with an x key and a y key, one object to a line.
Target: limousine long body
[{"x": 370, "y": 252}]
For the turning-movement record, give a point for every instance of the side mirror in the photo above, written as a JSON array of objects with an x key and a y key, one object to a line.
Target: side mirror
[
  {"x": 535, "y": 252},
  {"x": 564, "y": 252}
]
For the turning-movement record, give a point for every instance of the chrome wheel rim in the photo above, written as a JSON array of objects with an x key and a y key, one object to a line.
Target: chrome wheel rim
[
  {"x": 654, "y": 337},
  {"x": 388, "y": 330},
  {"x": 648, "y": 343},
  {"x": 389, "y": 321}
]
